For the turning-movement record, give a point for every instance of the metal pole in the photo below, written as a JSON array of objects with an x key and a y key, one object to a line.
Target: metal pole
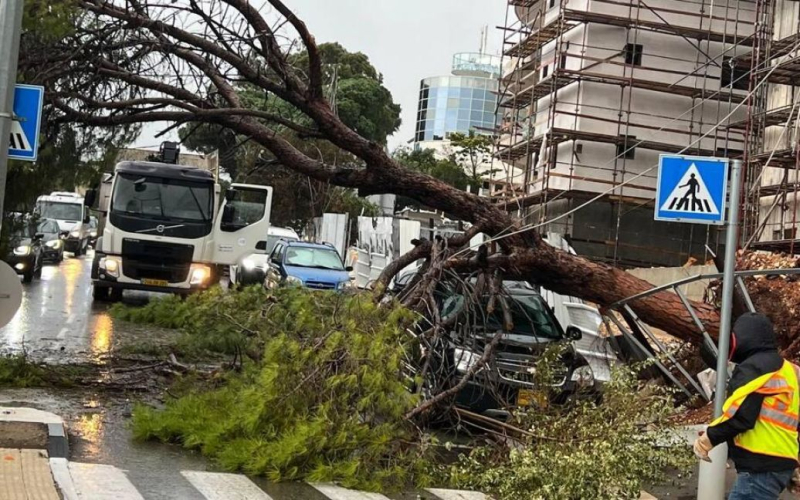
[
  {"x": 10, "y": 27},
  {"x": 728, "y": 284},
  {"x": 711, "y": 480}
]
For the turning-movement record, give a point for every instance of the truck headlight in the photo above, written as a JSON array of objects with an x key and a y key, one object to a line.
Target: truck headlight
[
  {"x": 248, "y": 264},
  {"x": 55, "y": 244},
  {"x": 112, "y": 266},
  {"x": 75, "y": 234},
  {"x": 22, "y": 250},
  {"x": 465, "y": 359},
  {"x": 294, "y": 280},
  {"x": 93, "y": 234},
  {"x": 583, "y": 376},
  {"x": 200, "y": 275}
]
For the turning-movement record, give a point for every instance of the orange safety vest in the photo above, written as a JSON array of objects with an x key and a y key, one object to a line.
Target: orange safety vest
[{"x": 775, "y": 432}]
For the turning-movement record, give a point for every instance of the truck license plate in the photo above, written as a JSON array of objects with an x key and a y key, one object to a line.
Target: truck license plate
[
  {"x": 527, "y": 397},
  {"x": 146, "y": 281}
]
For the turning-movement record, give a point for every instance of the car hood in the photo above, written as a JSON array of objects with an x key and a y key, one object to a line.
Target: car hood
[
  {"x": 313, "y": 274},
  {"x": 67, "y": 225}
]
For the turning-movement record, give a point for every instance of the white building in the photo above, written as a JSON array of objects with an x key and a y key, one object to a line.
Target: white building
[{"x": 595, "y": 90}]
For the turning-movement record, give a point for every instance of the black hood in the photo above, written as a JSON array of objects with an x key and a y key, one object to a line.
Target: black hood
[{"x": 752, "y": 333}]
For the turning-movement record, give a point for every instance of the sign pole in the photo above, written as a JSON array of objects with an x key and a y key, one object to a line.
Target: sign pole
[
  {"x": 10, "y": 28},
  {"x": 711, "y": 481}
]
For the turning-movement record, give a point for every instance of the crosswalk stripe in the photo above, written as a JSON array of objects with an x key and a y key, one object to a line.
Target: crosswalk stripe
[
  {"x": 338, "y": 493},
  {"x": 102, "y": 482},
  {"x": 456, "y": 494},
  {"x": 218, "y": 486}
]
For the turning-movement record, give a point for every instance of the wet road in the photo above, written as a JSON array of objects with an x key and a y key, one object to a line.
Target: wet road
[{"x": 58, "y": 321}]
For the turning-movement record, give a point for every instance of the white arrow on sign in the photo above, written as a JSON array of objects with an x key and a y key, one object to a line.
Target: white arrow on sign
[{"x": 18, "y": 141}]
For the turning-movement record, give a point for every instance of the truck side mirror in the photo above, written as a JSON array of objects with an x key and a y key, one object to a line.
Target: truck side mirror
[
  {"x": 90, "y": 197},
  {"x": 86, "y": 218}
]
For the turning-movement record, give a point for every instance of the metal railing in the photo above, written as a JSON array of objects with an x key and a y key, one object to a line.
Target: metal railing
[{"x": 655, "y": 349}]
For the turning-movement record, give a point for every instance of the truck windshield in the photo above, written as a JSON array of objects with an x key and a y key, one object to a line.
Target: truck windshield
[
  {"x": 162, "y": 198},
  {"x": 60, "y": 211}
]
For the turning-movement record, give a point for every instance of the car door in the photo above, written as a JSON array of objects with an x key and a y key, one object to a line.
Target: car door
[
  {"x": 241, "y": 223},
  {"x": 273, "y": 277}
]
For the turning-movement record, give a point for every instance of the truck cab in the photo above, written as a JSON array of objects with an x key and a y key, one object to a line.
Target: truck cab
[
  {"x": 72, "y": 216},
  {"x": 168, "y": 228}
]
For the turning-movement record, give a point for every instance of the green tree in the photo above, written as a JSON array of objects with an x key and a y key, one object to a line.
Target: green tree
[
  {"x": 474, "y": 152},
  {"x": 426, "y": 162}
]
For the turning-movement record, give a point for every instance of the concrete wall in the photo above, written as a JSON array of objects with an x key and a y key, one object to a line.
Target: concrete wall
[{"x": 663, "y": 275}]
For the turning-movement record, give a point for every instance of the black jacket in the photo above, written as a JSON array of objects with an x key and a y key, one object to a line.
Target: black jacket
[{"x": 755, "y": 351}]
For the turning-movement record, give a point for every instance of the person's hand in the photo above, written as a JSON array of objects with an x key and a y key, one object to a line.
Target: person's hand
[
  {"x": 702, "y": 445},
  {"x": 794, "y": 484}
]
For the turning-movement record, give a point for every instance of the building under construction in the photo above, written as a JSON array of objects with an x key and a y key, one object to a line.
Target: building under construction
[{"x": 593, "y": 91}]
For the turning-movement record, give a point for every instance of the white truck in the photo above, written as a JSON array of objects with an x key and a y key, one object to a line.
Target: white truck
[
  {"x": 166, "y": 228},
  {"x": 72, "y": 216}
]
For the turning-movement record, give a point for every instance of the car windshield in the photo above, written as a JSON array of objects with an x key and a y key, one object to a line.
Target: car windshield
[
  {"x": 161, "y": 198},
  {"x": 45, "y": 227},
  {"x": 528, "y": 313},
  {"x": 60, "y": 211},
  {"x": 313, "y": 257},
  {"x": 273, "y": 239}
]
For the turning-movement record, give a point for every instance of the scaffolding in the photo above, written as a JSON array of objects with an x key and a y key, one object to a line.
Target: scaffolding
[{"x": 580, "y": 75}]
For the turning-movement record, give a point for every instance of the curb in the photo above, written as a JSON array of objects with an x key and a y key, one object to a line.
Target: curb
[{"x": 29, "y": 428}]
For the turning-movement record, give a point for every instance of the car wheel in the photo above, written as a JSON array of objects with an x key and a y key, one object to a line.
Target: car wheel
[
  {"x": 27, "y": 276},
  {"x": 100, "y": 292},
  {"x": 60, "y": 256}
]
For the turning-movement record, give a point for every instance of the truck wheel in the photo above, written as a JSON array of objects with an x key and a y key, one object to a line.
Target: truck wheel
[{"x": 116, "y": 295}]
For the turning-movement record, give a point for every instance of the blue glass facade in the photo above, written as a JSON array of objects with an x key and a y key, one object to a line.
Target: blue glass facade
[{"x": 450, "y": 104}]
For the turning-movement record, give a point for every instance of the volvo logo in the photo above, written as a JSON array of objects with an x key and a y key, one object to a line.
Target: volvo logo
[{"x": 160, "y": 228}]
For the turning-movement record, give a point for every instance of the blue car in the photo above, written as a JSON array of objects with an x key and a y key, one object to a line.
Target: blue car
[{"x": 312, "y": 265}]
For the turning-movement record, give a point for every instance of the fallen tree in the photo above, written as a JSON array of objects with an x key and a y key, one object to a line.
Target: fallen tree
[{"x": 193, "y": 61}]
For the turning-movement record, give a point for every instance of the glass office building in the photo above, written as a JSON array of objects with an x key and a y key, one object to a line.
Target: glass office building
[{"x": 464, "y": 101}]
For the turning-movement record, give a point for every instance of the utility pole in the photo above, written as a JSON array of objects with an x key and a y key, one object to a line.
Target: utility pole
[
  {"x": 711, "y": 481},
  {"x": 10, "y": 27}
]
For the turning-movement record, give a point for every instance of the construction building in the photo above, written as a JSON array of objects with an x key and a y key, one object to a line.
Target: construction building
[{"x": 593, "y": 91}]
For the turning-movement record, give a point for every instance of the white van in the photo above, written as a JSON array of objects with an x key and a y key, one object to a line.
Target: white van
[
  {"x": 68, "y": 210},
  {"x": 252, "y": 268}
]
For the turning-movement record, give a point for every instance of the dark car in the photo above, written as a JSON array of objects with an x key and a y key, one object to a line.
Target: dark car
[
  {"x": 25, "y": 255},
  {"x": 508, "y": 379},
  {"x": 312, "y": 265},
  {"x": 52, "y": 240}
]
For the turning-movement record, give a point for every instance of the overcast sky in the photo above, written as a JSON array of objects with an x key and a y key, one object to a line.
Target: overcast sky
[{"x": 406, "y": 40}]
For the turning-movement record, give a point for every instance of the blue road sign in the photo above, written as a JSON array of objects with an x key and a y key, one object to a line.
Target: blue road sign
[
  {"x": 24, "y": 141},
  {"x": 691, "y": 189}
]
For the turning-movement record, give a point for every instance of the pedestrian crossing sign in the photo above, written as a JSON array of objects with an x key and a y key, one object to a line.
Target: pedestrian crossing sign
[
  {"x": 24, "y": 141},
  {"x": 691, "y": 189}
]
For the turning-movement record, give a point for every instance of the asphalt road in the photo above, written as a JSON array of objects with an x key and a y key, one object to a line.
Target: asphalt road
[{"x": 58, "y": 321}]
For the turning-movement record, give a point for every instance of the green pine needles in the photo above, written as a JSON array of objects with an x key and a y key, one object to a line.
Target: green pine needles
[{"x": 324, "y": 400}]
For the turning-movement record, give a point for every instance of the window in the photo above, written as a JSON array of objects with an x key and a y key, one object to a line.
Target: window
[
  {"x": 627, "y": 148},
  {"x": 276, "y": 253},
  {"x": 633, "y": 54},
  {"x": 563, "y": 63},
  {"x": 545, "y": 71},
  {"x": 60, "y": 211},
  {"x": 317, "y": 258},
  {"x": 243, "y": 207},
  {"x": 733, "y": 77},
  {"x": 552, "y": 4}
]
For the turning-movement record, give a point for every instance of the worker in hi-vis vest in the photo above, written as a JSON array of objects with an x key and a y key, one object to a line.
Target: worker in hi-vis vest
[{"x": 760, "y": 417}]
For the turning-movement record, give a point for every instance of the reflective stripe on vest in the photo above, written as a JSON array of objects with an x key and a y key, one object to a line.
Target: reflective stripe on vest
[{"x": 775, "y": 432}]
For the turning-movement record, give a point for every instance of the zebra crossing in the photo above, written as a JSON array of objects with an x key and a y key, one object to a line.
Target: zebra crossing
[{"x": 81, "y": 481}]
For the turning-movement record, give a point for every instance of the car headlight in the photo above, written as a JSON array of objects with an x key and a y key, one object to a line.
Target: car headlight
[
  {"x": 53, "y": 244},
  {"x": 583, "y": 376},
  {"x": 346, "y": 285},
  {"x": 200, "y": 275},
  {"x": 465, "y": 359},
  {"x": 93, "y": 234},
  {"x": 22, "y": 250},
  {"x": 75, "y": 234},
  {"x": 112, "y": 266},
  {"x": 294, "y": 280}
]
